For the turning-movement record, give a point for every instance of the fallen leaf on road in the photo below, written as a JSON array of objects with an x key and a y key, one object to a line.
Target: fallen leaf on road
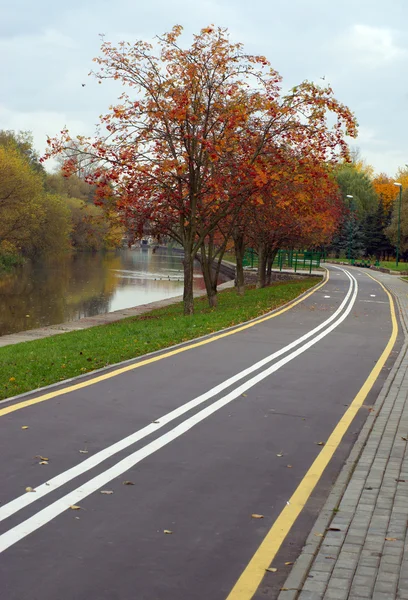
[
  {"x": 288, "y": 466},
  {"x": 155, "y": 421},
  {"x": 280, "y": 454},
  {"x": 271, "y": 569},
  {"x": 43, "y": 462},
  {"x": 333, "y": 529},
  {"x": 330, "y": 557},
  {"x": 29, "y": 489},
  {"x": 288, "y": 563},
  {"x": 405, "y": 439},
  {"x": 389, "y": 539},
  {"x": 75, "y": 507},
  {"x": 318, "y": 534},
  {"x": 107, "y": 492},
  {"x": 83, "y": 451},
  {"x": 320, "y": 443},
  {"x": 256, "y": 516},
  {"x": 245, "y": 395},
  {"x": 283, "y": 589},
  {"x": 167, "y": 531},
  {"x": 24, "y": 427},
  {"x": 401, "y": 480},
  {"x": 41, "y": 457},
  {"x": 128, "y": 483}
]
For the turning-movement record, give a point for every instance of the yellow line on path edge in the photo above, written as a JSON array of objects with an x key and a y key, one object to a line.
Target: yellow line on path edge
[
  {"x": 153, "y": 359},
  {"x": 253, "y": 574}
]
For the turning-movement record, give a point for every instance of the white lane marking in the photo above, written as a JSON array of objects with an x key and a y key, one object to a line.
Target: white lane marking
[
  {"x": 12, "y": 536},
  {"x": 374, "y": 301},
  {"x": 52, "y": 484}
]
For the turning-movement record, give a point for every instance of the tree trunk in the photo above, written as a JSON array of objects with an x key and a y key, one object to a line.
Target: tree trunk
[
  {"x": 269, "y": 269},
  {"x": 239, "y": 245},
  {"x": 260, "y": 282},
  {"x": 188, "y": 298},
  {"x": 269, "y": 264},
  {"x": 209, "y": 274}
]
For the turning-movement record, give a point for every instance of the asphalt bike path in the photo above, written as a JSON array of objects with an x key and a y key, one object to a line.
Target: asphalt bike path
[{"x": 208, "y": 436}]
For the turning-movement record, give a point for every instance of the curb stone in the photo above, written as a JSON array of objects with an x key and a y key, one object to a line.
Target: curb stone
[{"x": 294, "y": 582}]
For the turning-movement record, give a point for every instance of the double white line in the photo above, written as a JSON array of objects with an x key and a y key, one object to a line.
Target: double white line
[{"x": 54, "y": 509}]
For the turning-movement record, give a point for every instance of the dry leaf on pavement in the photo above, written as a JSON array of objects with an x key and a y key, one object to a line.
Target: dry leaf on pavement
[
  {"x": 83, "y": 451},
  {"x": 41, "y": 457},
  {"x": 75, "y": 507},
  {"x": 24, "y": 427},
  {"x": 320, "y": 443},
  {"x": 280, "y": 454},
  {"x": 107, "y": 492},
  {"x": 128, "y": 483},
  {"x": 256, "y": 516},
  {"x": 271, "y": 569},
  {"x": 43, "y": 462},
  {"x": 29, "y": 489},
  {"x": 168, "y": 531},
  {"x": 288, "y": 563},
  {"x": 390, "y": 539}
]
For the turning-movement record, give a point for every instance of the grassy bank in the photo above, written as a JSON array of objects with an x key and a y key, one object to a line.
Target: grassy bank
[
  {"x": 30, "y": 365},
  {"x": 387, "y": 264}
]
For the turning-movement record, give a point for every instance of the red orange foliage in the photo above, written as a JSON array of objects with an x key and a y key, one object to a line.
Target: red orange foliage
[{"x": 204, "y": 142}]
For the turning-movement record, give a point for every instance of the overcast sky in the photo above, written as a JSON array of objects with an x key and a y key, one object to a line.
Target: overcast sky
[{"x": 359, "y": 46}]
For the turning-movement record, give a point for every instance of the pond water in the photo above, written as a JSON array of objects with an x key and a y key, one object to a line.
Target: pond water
[{"x": 84, "y": 285}]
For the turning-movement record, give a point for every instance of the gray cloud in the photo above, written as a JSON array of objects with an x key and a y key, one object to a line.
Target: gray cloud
[{"x": 46, "y": 53}]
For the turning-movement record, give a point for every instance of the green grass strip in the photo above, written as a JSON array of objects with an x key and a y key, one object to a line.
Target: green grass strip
[{"x": 30, "y": 365}]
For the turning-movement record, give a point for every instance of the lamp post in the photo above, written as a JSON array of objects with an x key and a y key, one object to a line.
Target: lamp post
[
  {"x": 351, "y": 230},
  {"x": 399, "y": 223}
]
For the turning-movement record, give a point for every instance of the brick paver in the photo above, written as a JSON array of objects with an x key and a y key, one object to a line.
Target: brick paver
[{"x": 364, "y": 552}]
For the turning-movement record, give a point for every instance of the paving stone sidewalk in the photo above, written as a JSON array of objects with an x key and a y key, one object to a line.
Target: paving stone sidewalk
[{"x": 364, "y": 551}]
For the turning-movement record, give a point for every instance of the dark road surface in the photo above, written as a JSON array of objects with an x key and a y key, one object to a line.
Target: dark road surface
[{"x": 200, "y": 473}]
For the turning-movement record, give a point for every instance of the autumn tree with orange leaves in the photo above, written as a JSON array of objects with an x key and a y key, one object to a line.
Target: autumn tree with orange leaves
[
  {"x": 385, "y": 189},
  {"x": 197, "y": 138}
]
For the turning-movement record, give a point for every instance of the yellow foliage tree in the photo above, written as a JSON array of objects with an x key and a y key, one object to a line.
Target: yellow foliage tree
[
  {"x": 32, "y": 222},
  {"x": 21, "y": 207},
  {"x": 386, "y": 190}
]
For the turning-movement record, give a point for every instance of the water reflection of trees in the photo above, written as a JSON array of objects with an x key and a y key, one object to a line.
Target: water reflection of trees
[
  {"x": 54, "y": 292},
  {"x": 84, "y": 285}
]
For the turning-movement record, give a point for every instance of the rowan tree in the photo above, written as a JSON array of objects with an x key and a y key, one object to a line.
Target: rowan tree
[{"x": 184, "y": 152}]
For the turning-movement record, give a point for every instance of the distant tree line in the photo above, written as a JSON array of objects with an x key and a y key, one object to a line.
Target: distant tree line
[
  {"x": 45, "y": 214},
  {"x": 368, "y": 226}
]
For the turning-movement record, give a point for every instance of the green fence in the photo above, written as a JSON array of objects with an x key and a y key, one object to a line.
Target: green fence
[{"x": 296, "y": 260}]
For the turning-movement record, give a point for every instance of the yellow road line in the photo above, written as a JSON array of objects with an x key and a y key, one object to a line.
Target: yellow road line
[
  {"x": 153, "y": 359},
  {"x": 253, "y": 574}
]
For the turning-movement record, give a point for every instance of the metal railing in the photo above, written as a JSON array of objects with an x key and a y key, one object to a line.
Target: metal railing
[{"x": 298, "y": 260}]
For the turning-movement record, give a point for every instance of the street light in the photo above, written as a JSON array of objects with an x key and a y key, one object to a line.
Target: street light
[
  {"x": 399, "y": 222},
  {"x": 351, "y": 231}
]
